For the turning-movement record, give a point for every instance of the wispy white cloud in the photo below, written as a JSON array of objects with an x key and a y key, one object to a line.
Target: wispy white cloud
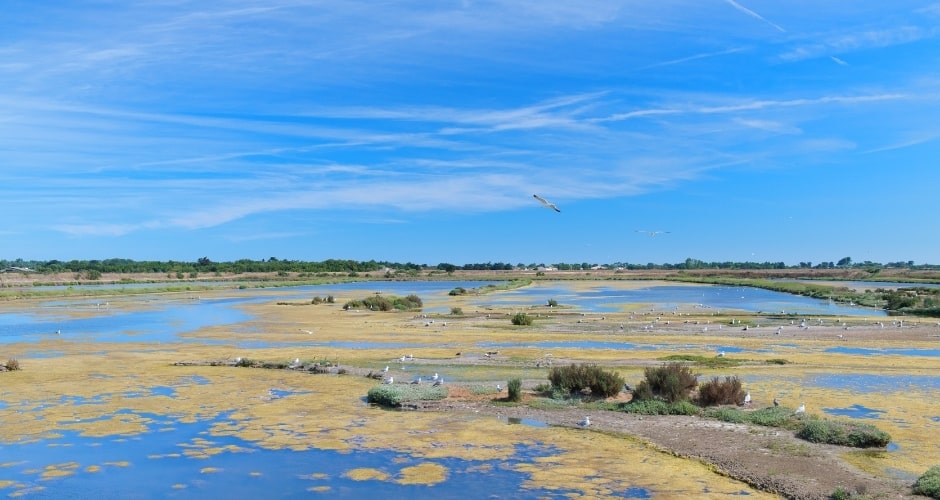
[
  {"x": 860, "y": 40},
  {"x": 838, "y": 61},
  {"x": 694, "y": 57},
  {"x": 753, "y": 14}
]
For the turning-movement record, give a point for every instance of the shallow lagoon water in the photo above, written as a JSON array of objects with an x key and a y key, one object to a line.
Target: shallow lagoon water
[
  {"x": 669, "y": 297},
  {"x": 141, "y": 460}
]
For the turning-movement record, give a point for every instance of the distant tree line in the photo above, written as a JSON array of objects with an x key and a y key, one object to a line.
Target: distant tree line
[{"x": 205, "y": 265}]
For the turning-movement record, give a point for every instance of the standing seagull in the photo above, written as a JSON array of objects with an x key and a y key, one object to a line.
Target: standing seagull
[
  {"x": 747, "y": 399},
  {"x": 586, "y": 422},
  {"x": 801, "y": 409},
  {"x": 546, "y": 203}
]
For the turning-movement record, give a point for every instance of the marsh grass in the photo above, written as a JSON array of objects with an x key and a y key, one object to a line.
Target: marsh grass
[
  {"x": 707, "y": 361},
  {"x": 396, "y": 394},
  {"x": 12, "y": 364},
  {"x": 659, "y": 407},
  {"x": 809, "y": 428}
]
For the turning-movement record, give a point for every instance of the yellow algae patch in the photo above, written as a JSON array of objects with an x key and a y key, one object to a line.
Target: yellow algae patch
[
  {"x": 319, "y": 489},
  {"x": 209, "y": 470},
  {"x": 93, "y": 468},
  {"x": 255, "y": 474},
  {"x": 121, "y": 463},
  {"x": 27, "y": 491},
  {"x": 179, "y": 486},
  {"x": 6, "y": 483},
  {"x": 12, "y": 464},
  {"x": 366, "y": 474},
  {"x": 426, "y": 473}
]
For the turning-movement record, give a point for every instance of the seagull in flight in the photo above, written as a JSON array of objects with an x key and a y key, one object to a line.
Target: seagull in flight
[
  {"x": 546, "y": 203},
  {"x": 651, "y": 233}
]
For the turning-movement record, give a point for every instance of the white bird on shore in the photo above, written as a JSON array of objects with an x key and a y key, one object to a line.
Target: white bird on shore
[
  {"x": 586, "y": 422},
  {"x": 417, "y": 381},
  {"x": 801, "y": 409},
  {"x": 434, "y": 377},
  {"x": 499, "y": 388},
  {"x": 439, "y": 381},
  {"x": 747, "y": 399},
  {"x": 385, "y": 370},
  {"x": 721, "y": 354},
  {"x": 545, "y": 203},
  {"x": 389, "y": 380}
]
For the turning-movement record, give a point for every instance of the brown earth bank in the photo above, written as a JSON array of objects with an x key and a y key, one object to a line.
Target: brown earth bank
[{"x": 768, "y": 459}]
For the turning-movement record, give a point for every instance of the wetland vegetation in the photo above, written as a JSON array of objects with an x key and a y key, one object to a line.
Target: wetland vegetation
[{"x": 136, "y": 386}]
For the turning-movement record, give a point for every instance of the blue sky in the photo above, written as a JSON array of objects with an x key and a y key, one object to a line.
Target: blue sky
[{"x": 415, "y": 131}]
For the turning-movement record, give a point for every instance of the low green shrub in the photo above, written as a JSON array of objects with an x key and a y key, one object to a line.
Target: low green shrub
[
  {"x": 552, "y": 303},
  {"x": 456, "y": 311},
  {"x": 458, "y": 291},
  {"x": 396, "y": 394},
  {"x": 929, "y": 484},
  {"x": 854, "y": 434},
  {"x": 659, "y": 407},
  {"x": 671, "y": 382},
  {"x": 717, "y": 392},
  {"x": 577, "y": 378},
  {"x": 515, "y": 389},
  {"x": 386, "y": 303},
  {"x": 768, "y": 417},
  {"x": 521, "y": 319},
  {"x": 244, "y": 362}
]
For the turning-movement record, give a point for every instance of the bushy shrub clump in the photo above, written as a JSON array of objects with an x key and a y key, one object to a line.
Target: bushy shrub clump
[
  {"x": 319, "y": 300},
  {"x": 721, "y": 392},
  {"x": 576, "y": 378},
  {"x": 386, "y": 303},
  {"x": 458, "y": 291},
  {"x": 552, "y": 303},
  {"x": 396, "y": 394},
  {"x": 671, "y": 382},
  {"x": 929, "y": 484},
  {"x": 515, "y": 389},
  {"x": 456, "y": 311},
  {"x": 521, "y": 319},
  {"x": 856, "y": 435},
  {"x": 658, "y": 407},
  {"x": 13, "y": 364}
]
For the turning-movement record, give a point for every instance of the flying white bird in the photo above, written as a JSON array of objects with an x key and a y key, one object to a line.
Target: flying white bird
[
  {"x": 546, "y": 203},
  {"x": 651, "y": 233}
]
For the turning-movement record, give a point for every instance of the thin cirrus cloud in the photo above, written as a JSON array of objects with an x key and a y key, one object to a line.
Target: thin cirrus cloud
[{"x": 180, "y": 117}]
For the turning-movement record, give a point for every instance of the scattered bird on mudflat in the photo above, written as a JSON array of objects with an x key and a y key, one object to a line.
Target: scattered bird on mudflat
[
  {"x": 308, "y": 332},
  {"x": 747, "y": 399},
  {"x": 651, "y": 233},
  {"x": 435, "y": 376},
  {"x": 416, "y": 381},
  {"x": 801, "y": 409},
  {"x": 586, "y": 422},
  {"x": 776, "y": 402},
  {"x": 439, "y": 381},
  {"x": 545, "y": 203},
  {"x": 720, "y": 354},
  {"x": 390, "y": 380},
  {"x": 499, "y": 388},
  {"x": 385, "y": 370}
]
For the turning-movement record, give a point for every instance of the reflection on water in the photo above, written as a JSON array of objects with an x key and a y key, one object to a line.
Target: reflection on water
[
  {"x": 855, "y": 411},
  {"x": 885, "y": 352},
  {"x": 667, "y": 298},
  {"x": 182, "y": 459},
  {"x": 867, "y": 383},
  {"x": 166, "y": 320}
]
